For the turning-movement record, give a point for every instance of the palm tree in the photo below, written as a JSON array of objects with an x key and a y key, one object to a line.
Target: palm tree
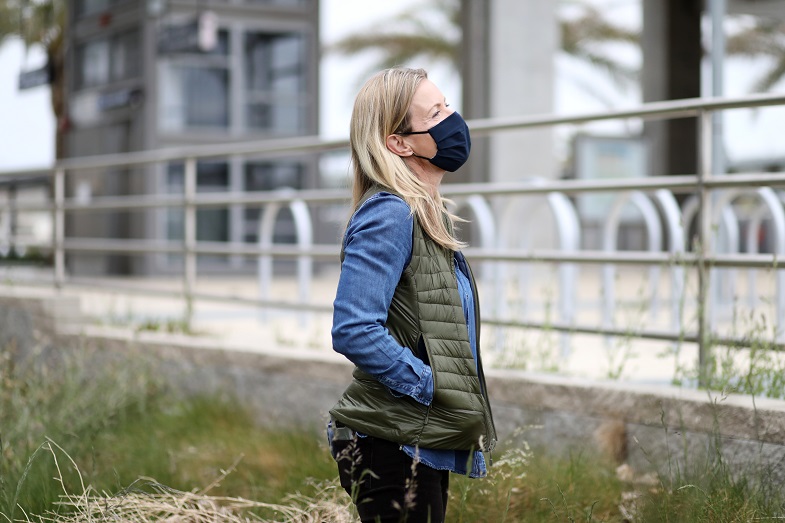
[
  {"x": 425, "y": 36},
  {"x": 765, "y": 38},
  {"x": 406, "y": 38},
  {"x": 41, "y": 22}
]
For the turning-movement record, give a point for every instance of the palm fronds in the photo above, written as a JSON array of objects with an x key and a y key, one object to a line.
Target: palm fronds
[
  {"x": 764, "y": 38},
  {"x": 408, "y": 36}
]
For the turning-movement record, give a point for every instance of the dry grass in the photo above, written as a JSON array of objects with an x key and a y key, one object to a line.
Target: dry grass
[
  {"x": 147, "y": 501},
  {"x": 150, "y": 502}
]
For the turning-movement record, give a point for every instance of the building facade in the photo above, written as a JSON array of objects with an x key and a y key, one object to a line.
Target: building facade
[{"x": 164, "y": 73}]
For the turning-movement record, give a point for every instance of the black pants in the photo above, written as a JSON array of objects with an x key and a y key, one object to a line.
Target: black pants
[{"x": 387, "y": 486}]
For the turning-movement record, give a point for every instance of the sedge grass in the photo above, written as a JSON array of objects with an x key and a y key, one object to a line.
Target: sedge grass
[
  {"x": 118, "y": 422},
  {"x": 80, "y": 433}
]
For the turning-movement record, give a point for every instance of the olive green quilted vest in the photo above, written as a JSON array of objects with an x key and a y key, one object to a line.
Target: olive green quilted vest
[{"x": 426, "y": 315}]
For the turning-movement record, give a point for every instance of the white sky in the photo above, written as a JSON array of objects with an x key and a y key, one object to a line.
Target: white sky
[
  {"x": 27, "y": 127},
  {"x": 26, "y": 121}
]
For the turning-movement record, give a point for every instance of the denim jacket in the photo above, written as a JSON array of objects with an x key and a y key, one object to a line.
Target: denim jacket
[{"x": 378, "y": 247}]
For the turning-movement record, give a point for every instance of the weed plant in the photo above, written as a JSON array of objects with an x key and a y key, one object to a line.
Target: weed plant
[
  {"x": 535, "y": 486},
  {"x": 84, "y": 435},
  {"x": 118, "y": 422},
  {"x": 709, "y": 489},
  {"x": 60, "y": 395}
]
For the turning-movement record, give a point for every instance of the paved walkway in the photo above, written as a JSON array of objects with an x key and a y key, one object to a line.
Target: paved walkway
[{"x": 244, "y": 328}]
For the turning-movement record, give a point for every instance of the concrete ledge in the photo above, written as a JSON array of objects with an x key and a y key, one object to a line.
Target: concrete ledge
[
  {"x": 665, "y": 428},
  {"x": 281, "y": 387},
  {"x": 736, "y": 416},
  {"x": 29, "y": 319}
]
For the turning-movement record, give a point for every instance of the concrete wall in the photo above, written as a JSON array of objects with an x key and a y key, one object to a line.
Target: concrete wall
[
  {"x": 663, "y": 428},
  {"x": 28, "y": 320},
  {"x": 648, "y": 427}
]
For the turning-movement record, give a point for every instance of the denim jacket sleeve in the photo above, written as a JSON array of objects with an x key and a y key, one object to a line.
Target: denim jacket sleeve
[{"x": 377, "y": 248}]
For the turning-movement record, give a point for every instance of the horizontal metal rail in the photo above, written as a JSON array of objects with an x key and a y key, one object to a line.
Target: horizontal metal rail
[
  {"x": 331, "y": 253},
  {"x": 152, "y": 246},
  {"x": 703, "y": 184},
  {"x": 311, "y": 144},
  {"x": 678, "y": 184},
  {"x": 648, "y": 111},
  {"x": 658, "y": 335},
  {"x": 98, "y": 284}
]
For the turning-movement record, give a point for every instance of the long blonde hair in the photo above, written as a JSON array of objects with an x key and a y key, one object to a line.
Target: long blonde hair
[{"x": 381, "y": 109}]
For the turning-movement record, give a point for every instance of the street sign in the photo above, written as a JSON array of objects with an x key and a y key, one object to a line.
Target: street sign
[{"x": 35, "y": 78}]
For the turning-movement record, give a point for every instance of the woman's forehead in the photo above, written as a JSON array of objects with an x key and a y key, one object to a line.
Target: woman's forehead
[{"x": 425, "y": 97}]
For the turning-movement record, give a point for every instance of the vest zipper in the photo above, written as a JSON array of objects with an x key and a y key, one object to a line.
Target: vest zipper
[
  {"x": 480, "y": 372},
  {"x": 433, "y": 377}
]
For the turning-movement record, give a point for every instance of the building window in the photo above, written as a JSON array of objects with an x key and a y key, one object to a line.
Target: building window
[
  {"x": 109, "y": 59},
  {"x": 88, "y": 7},
  {"x": 288, "y": 3},
  {"x": 194, "y": 89},
  {"x": 93, "y": 62},
  {"x": 193, "y": 96},
  {"x": 268, "y": 176},
  {"x": 275, "y": 82},
  {"x": 125, "y": 56},
  {"x": 212, "y": 225}
]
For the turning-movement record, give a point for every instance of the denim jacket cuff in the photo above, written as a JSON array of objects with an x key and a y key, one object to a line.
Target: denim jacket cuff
[{"x": 423, "y": 393}]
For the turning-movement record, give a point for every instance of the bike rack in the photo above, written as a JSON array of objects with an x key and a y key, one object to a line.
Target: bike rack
[
  {"x": 304, "y": 233},
  {"x": 569, "y": 234},
  {"x": 609, "y": 237}
]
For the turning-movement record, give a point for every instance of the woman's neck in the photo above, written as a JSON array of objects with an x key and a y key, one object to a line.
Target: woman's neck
[{"x": 430, "y": 177}]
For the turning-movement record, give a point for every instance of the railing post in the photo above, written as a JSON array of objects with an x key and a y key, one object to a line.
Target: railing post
[
  {"x": 189, "y": 238},
  {"x": 59, "y": 228},
  {"x": 13, "y": 221},
  {"x": 704, "y": 239}
]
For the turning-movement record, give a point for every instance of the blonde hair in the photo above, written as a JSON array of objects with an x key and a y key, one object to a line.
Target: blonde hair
[{"x": 381, "y": 109}]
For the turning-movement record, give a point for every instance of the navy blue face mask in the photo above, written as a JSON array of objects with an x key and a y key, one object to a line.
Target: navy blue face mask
[{"x": 453, "y": 142}]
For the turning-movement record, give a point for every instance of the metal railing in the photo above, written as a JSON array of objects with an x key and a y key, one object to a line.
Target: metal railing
[{"x": 475, "y": 196}]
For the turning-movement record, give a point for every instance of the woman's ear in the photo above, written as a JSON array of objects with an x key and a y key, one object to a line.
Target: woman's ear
[{"x": 397, "y": 145}]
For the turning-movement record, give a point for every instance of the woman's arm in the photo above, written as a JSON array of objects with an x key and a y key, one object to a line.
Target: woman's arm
[{"x": 377, "y": 248}]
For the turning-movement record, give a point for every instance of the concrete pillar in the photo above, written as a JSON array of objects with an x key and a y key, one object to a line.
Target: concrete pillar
[
  {"x": 672, "y": 51},
  {"x": 475, "y": 72},
  {"x": 523, "y": 43}
]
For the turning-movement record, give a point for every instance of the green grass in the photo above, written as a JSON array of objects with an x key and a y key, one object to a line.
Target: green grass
[
  {"x": 539, "y": 488},
  {"x": 119, "y": 423}
]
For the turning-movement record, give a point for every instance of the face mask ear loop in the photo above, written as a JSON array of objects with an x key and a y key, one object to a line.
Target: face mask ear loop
[
  {"x": 423, "y": 157},
  {"x": 414, "y": 153}
]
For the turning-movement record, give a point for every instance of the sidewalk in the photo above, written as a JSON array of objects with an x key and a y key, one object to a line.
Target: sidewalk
[{"x": 245, "y": 328}]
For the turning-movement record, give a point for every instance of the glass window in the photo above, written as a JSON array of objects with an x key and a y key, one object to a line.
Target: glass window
[
  {"x": 268, "y": 176},
  {"x": 275, "y": 81},
  {"x": 105, "y": 60},
  {"x": 292, "y": 3},
  {"x": 125, "y": 56},
  {"x": 93, "y": 58},
  {"x": 84, "y": 7},
  {"x": 211, "y": 176},
  {"x": 194, "y": 88},
  {"x": 193, "y": 96},
  {"x": 181, "y": 40},
  {"x": 212, "y": 225}
]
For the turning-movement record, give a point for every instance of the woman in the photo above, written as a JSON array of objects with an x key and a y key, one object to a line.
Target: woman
[{"x": 406, "y": 311}]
